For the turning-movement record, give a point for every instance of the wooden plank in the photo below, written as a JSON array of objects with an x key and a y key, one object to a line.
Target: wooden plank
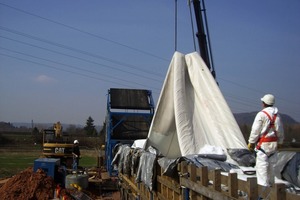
[
  {"x": 169, "y": 183},
  {"x": 278, "y": 192},
  {"x": 130, "y": 183},
  {"x": 210, "y": 193},
  {"x": 217, "y": 180},
  {"x": 204, "y": 176},
  {"x": 291, "y": 196},
  {"x": 203, "y": 173},
  {"x": 144, "y": 192},
  {"x": 193, "y": 178},
  {"x": 161, "y": 197},
  {"x": 242, "y": 185},
  {"x": 182, "y": 168},
  {"x": 233, "y": 185},
  {"x": 105, "y": 175},
  {"x": 252, "y": 188}
]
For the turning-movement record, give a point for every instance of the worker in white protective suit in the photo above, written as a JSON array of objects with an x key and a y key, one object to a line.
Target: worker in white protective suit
[{"x": 266, "y": 136}]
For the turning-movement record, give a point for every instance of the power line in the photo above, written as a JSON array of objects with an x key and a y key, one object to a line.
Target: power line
[
  {"x": 73, "y": 67},
  {"x": 255, "y": 90},
  {"x": 64, "y": 70},
  {"x": 75, "y": 50},
  {"x": 85, "y": 32},
  {"x": 82, "y": 59},
  {"x": 250, "y": 102}
]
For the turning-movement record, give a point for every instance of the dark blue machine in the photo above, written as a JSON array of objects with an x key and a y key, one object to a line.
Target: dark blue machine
[{"x": 128, "y": 118}]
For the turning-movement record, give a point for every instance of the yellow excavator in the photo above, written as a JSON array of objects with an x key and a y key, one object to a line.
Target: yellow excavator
[{"x": 57, "y": 144}]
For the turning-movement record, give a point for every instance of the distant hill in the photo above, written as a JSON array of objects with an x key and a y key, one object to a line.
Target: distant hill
[{"x": 247, "y": 118}]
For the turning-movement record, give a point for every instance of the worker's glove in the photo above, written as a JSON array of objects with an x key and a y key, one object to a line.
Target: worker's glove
[{"x": 251, "y": 147}]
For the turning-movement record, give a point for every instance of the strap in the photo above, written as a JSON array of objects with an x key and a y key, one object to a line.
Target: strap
[
  {"x": 272, "y": 120},
  {"x": 268, "y": 139},
  {"x": 271, "y": 125}
]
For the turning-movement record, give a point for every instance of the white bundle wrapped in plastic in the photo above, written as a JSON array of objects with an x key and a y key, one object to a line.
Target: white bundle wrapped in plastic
[{"x": 191, "y": 111}]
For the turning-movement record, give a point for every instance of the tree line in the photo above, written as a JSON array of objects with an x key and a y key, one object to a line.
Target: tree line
[
  {"x": 292, "y": 131},
  {"x": 11, "y": 135},
  {"x": 89, "y": 128}
]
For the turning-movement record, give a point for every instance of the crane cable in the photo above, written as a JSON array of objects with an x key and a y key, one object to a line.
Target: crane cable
[
  {"x": 192, "y": 24},
  {"x": 208, "y": 39},
  {"x": 175, "y": 25}
]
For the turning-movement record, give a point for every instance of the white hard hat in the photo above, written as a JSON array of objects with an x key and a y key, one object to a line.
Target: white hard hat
[
  {"x": 268, "y": 99},
  {"x": 76, "y": 142}
]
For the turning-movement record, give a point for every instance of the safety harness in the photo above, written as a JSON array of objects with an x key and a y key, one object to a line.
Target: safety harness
[{"x": 263, "y": 138}]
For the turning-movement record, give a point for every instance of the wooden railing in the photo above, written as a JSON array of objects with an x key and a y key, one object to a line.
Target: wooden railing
[{"x": 200, "y": 183}]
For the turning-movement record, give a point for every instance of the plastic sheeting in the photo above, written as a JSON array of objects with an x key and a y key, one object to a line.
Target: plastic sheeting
[
  {"x": 283, "y": 158},
  {"x": 122, "y": 159},
  {"x": 169, "y": 166},
  {"x": 191, "y": 111},
  {"x": 146, "y": 172},
  {"x": 291, "y": 172},
  {"x": 243, "y": 157},
  {"x": 139, "y": 162}
]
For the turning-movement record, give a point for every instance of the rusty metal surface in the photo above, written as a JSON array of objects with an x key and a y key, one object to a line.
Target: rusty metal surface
[{"x": 129, "y": 99}]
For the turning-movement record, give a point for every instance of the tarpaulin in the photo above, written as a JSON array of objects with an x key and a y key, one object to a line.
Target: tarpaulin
[{"x": 191, "y": 111}]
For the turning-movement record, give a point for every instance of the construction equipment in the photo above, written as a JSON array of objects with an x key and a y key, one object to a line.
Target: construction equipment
[
  {"x": 57, "y": 144},
  {"x": 203, "y": 35},
  {"x": 129, "y": 116}
]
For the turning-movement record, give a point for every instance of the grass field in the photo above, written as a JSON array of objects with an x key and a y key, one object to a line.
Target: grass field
[{"x": 13, "y": 162}]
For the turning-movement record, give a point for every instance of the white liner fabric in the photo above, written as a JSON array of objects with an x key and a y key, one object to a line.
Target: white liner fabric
[{"x": 191, "y": 111}]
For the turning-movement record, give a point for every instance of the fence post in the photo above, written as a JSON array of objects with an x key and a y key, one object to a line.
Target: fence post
[
  {"x": 193, "y": 178},
  {"x": 233, "y": 185},
  {"x": 217, "y": 180},
  {"x": 252, "y": 188},
  {"x": 278, "y": 192},
  {"x": 204, "y": 178},
  {"x": 182, "y": 168}
]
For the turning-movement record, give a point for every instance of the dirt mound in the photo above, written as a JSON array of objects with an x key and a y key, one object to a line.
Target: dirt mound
[{"x": 28, "y": 185}]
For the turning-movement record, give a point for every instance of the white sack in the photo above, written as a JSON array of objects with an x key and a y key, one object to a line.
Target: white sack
[
  {"x": 138, "y": 143},
  {"x": 208, "y": 149}
]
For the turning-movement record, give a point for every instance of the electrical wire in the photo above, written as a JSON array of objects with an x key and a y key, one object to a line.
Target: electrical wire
[
  {"x": 85, "y": 32},
  {"x": 176, "y": 25},
  {"x": 192, "y": 24},
  {"x": 68, "y": 71},
  {"x": 76, "y": 50},
  {"x": 82, "y": 59},
  {"x": 73, "y": 67}
]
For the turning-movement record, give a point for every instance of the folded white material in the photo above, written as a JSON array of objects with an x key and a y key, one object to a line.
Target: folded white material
[{"x": 191, "y": 111}]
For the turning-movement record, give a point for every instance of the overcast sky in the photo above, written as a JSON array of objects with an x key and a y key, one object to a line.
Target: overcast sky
[{"x": 58, "y": 58}]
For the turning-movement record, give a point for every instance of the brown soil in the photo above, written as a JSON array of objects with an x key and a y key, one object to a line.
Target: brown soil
[{"x": 28, "y": 185}]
